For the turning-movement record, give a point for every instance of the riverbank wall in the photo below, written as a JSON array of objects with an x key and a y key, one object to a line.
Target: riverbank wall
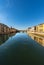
[{"x": 36, "y": 33}]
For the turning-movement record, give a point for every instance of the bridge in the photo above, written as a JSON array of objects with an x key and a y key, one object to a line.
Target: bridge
[{"x": 23, "y": 31}]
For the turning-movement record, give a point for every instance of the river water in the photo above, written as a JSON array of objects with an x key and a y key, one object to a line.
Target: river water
[{"x": 21, "y": 49}]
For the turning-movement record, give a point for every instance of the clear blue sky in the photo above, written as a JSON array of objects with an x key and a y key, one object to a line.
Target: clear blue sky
[{"x": 21, "y": 14}]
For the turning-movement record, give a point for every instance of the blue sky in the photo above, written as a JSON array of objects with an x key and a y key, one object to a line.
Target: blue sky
[{"x": 21, "y": 14}]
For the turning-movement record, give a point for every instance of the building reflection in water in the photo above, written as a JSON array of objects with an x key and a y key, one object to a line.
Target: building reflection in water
[
  {"x": 4, "y": 38},
  {"x": 38, "y": 39}
]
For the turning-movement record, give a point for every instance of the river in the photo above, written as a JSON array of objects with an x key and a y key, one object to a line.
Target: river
[{"x": 21, "y": 49}]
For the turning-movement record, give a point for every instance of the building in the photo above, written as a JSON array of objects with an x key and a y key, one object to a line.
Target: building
[
  {"x": 0, "y": 28},
  {"x": 12, "y": 30},
  {"x": 30, "y": 29},
  {"x": 40, "y": 28},
  {"x": 4, "y": 29}
]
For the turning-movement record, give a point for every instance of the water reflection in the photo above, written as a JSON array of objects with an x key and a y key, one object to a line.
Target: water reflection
[
  {"x": 21, "y": 50},
  {"x": 4, "y": 38},
  {"x": 39, "y": 39}
]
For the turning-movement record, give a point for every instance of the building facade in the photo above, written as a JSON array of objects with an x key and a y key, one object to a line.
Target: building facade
[
  {"x": 4, "y": 29},
  {"x": 30, "y": 29},
  {"x": 40, "y": 28},
  {"x": 12, "y": 30}
]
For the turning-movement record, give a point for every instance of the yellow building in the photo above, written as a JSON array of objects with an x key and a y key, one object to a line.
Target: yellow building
[{"x": 40, "y": 28}]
